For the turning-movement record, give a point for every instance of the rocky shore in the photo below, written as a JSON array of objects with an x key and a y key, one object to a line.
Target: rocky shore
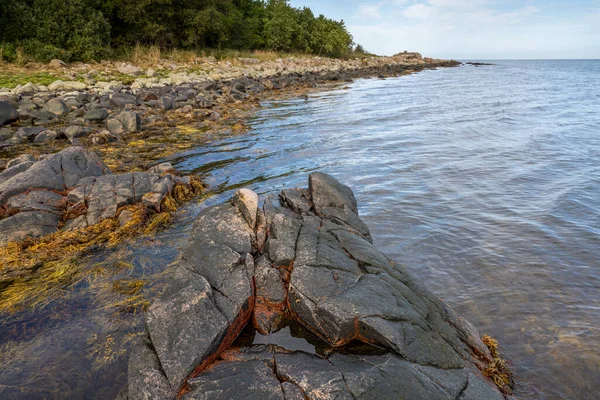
[
  {"x": 92, "y": 112},
  {"x": 305, "y": 258},
  {"x": 74, "y": 153}
]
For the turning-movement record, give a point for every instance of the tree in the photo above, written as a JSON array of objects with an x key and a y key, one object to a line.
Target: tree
[{"x": 280, "y": 25}]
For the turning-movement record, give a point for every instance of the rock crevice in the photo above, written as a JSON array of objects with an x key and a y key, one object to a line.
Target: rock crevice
[{"x": 306, "y": 258}]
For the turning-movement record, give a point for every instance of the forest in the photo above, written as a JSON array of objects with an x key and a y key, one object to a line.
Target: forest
[{"x": 87, "y": 30}]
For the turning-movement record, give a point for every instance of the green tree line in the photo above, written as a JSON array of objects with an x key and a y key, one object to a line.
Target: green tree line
[{"x": 85, "y": 30}]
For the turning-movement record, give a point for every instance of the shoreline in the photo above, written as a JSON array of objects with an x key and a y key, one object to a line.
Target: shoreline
[{"x": 146, "y": 131}]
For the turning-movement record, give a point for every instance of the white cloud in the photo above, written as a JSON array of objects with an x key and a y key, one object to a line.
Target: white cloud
[
  {"x": 370, "y": 11},
  {"x": 470, "y": 29},
  {"x": 418, "y": 11}
]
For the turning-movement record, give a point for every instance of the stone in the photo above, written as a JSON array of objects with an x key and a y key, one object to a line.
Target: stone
[
  {"x": 21, "y": 159},
  {"x": 129, "y": 69},
  {"x": 28, "y": 133},
  {"x": 247, "y": 202},
  {"x": 56, "y": 107},
  {"x": 185, "y": 326},
  {"x": 28, "y": 88},
  {"x": 8, "y": 113},
  {"x": 96, "y": 115},
  {"x": 45, "y": 136},
  {"x": 147, "y": 95},
  {"x": 166, "y": 103},
  {"x": 56, "y": 63},
  {"x": 57, "y": 172},
  {"x": 125, "y": 122},
  {"x": 69, "y": 85},
  {"x": 72, "y": 132},
  {"x": 5, "y": 134},
  {"x": 15, "y": 169},
  {"x": 379, "y": 332},
  {"x": 146, "y": 379},
  {"x": 27, "y": 224},
  {"x": 120, "y": 100},
  {"x": 131, "y": 121}
]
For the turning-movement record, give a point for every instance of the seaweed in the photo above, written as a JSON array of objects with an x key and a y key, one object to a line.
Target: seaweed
[{"x": 497, "y": 370}]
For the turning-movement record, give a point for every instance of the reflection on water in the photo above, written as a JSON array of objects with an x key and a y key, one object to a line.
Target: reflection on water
[{"x": 484, "y": 182}]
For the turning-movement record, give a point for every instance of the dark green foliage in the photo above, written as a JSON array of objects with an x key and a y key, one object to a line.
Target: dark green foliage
[{"x": 85, "y": 29}]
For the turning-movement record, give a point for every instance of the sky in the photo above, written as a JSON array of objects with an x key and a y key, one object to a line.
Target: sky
[{"x": 470, "y": 29}]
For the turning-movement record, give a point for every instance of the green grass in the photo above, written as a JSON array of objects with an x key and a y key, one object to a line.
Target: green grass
[{"x": 12, "y": 80}]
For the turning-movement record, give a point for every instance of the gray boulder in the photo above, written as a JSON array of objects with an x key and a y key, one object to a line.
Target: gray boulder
[
  {"x": 96, "y": 115},
  {"x": 27, "y": 134},
  {"x": 56, "y": 107},
  {"x": 125, "y": 122},
  {"x": 120, "y": 100},
  {"x": 32, "y": 199},
  {"x": 45, "y": 136},
  {"x": 75, "y": 131}
]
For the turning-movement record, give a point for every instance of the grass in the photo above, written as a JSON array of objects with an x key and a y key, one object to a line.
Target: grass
[
  {"x": 497, "y": 370},
  {"x": 11, "y": 80}
]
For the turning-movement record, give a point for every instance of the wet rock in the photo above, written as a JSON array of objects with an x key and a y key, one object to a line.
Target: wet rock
[
  {"x": 57, "y": 172},
  {"x": 96, "y": 115},
  {"x": 317, "y": 268},
  {"x": 27, "y": 224},
  {"x": 146, "y": 379},
  {"x": 185, "y": 326},
  {"x": 56, "y": 107},
  {"x": 253, "y": 380},
  {"x": 271, "y": 297}
]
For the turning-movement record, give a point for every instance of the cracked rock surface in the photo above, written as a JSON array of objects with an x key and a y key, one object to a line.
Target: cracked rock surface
[
  {"x": 72, "y": 189},
  {"x": 307, "y": 258}
]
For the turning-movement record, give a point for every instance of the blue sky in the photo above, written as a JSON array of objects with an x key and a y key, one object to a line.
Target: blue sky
[{"x": 471, "y": 29}]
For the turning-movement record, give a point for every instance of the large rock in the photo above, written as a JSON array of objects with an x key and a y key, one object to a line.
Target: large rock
[
  {"x": 56, "y": 107},
  {"x": 386, "y": 335},
  {"x": 36, "y": 194},
  {"x": 120, "y": 100},
  {"x": 125, "y": 122},
  {"x": 8, "y": 113}
]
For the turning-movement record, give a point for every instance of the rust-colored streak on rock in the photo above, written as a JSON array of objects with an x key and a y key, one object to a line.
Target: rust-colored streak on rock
[{"x": 233, "y": 332}]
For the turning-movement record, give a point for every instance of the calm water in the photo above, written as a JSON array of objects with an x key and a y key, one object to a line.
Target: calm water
[{"x": 484, "y": 182}]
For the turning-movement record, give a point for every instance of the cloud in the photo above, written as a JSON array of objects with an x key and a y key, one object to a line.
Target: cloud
[
  {"x": 419, "y": 11},
  {"x": 471, "y": 29},
  {"x": 370, "y": 11}
]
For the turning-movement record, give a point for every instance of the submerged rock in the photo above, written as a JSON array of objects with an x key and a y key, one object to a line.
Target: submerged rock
[{"x": 317, "y": 267}]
